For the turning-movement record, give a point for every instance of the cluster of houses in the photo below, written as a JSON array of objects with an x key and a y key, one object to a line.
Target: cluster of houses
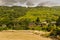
[{"x": 42, "y": 24}]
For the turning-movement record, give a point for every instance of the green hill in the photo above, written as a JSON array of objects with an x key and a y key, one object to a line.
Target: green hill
[
  {"x": 21, "y": 16},
  {"x": 43, "y": 13}
]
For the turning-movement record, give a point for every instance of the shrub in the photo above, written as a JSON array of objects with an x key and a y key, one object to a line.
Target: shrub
[{"x": 55, "y": 32}]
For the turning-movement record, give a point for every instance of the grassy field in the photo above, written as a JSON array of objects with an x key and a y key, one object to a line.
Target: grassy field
[{"x": 20, "y": 35}]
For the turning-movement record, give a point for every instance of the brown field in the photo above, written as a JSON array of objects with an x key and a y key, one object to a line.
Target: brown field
[{"x": 20, "y": 35}]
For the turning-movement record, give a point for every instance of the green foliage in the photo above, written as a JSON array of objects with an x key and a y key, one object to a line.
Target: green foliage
[
  {"x": 37, "y": 21},
  {"x": 38, "y": 28},
  {"x": 58, "y": 21},
  {"x": 55, "y": 32},
  {"x": 43, "y": 13}
]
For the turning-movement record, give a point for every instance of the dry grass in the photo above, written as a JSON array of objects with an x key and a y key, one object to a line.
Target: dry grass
[{"x": 20, "y": 35}]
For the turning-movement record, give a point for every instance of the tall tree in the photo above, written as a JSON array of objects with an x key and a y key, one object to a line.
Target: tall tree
[{"x": 37, "y": 21}]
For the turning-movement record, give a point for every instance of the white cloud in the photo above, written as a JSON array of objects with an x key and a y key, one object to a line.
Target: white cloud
[{"x": 35, "y": 2}]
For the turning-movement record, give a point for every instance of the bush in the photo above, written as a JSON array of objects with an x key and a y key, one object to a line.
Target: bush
[
  {"x": 55, "y": 32},
  {"x": 38, "y": 28}
]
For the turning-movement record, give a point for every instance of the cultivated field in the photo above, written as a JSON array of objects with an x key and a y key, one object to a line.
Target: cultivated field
[{"x": 20, "y": 35}]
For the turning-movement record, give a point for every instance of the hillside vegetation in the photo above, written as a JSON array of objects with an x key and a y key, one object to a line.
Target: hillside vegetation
[
  {"x": 43, "y": 13},
  {"x": 31, "y": 18},
  {"x": 17, "y": 13}
]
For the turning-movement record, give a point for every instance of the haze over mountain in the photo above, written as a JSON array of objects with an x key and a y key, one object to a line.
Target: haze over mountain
[{"x": 30, "y": 3}]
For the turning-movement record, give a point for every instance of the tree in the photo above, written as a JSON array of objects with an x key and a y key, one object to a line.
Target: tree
[
  {"x": 58, "y": 22},
  {"x": 37, "y": 21}
]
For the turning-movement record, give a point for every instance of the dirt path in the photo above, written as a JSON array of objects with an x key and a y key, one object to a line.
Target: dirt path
[{"x": 20, "y": 35}]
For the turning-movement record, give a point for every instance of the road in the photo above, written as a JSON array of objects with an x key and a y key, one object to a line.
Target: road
[{"x": 20, "y": 35}]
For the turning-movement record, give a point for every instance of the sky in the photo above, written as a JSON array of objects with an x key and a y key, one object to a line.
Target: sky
[{"x": 30, "y": 2}]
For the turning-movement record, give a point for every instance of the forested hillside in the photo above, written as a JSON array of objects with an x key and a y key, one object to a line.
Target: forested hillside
[
  {"x": 32, "y": 18},
  {"x": 43, "y": 13},
  {"x": 16, "y": 14},
  {"x": 9, "y": 15}
]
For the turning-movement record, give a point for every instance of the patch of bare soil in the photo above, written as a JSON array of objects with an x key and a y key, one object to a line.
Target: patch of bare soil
[{"x": 21, "y": 35}]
